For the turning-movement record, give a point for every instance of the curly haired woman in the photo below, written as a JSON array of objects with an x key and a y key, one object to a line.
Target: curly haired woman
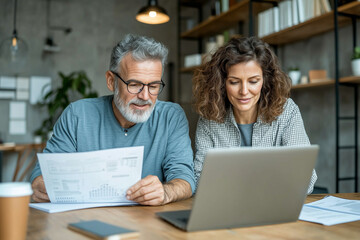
[{"x": 242, "y": 97}]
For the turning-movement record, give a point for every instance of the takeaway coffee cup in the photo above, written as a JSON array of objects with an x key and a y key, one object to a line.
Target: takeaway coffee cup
[{"x": 14, "y": 209}]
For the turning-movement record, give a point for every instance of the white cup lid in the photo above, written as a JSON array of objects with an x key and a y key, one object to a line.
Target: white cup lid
[{"x": 15, "y": 189}]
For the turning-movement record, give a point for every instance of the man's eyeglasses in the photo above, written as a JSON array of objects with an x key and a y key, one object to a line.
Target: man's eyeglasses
[{"x": 135, "y": 87}]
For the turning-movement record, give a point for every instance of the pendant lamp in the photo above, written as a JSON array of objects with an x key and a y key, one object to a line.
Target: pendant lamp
[
  {"x": 152, "y": 14},
  {"x": 14, "y": 50}
]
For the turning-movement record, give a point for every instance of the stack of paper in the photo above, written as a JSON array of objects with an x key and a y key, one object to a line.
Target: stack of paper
[
  {"x": 331, "y": 210},
  {"x": 58, "y": 207}
]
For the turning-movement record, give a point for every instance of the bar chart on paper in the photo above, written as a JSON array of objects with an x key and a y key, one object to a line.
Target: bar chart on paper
[
  {"x": 105, "y": 191},
  {"x": 91, "y": 177}
]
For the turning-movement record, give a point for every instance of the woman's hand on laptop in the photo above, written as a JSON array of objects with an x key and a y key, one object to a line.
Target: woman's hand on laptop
[{"x": 39, "y": 190}]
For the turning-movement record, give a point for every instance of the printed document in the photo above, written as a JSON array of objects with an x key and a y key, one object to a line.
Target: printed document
[
  {"x": 331, "y": 210},
  {"x": 63, "y": 207},
  {"x": 91, "y": 177}
]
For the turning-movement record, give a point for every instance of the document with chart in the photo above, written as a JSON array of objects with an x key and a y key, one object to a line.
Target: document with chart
[{"x": 91, "y": 177}]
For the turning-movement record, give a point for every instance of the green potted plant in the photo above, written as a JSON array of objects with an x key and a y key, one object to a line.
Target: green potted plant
[
  {"x": 294, "y": 74},
  {"x": 75, "y": 85},
  {"x": 355, "y": 62}
]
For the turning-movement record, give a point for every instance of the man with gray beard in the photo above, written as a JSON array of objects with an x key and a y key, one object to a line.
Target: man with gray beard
[{"x": 131, "y": 117}]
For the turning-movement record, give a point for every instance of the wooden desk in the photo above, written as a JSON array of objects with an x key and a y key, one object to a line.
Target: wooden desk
[
  {"x": 42, "y": 225},
  {"x": 24, "y": 151}
]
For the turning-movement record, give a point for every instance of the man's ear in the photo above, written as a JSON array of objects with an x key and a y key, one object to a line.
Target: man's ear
[{"x": 110, "y": 78}]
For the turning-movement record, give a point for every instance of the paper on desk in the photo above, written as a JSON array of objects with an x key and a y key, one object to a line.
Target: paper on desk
[
  {"x": 331, "y": 210},
  {"x": 91, "y": 177},
  {"x": 63, "y": 207}
]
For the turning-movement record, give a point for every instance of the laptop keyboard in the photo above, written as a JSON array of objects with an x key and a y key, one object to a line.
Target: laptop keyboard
[{"x": 183, "y": 220}]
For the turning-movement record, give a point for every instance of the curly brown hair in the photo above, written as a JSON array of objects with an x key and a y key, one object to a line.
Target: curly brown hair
[{"x": 211, "y": 100}]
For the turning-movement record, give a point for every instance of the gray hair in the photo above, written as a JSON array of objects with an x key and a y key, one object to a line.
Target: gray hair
[{"x": 141, "y": 48}]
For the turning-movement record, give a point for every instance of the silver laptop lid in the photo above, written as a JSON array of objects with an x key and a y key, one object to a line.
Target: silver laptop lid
[{"x": 252, "y": 186}]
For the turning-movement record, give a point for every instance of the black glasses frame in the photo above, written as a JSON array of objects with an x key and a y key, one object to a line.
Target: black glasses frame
[{"x": 143, "y": 84}]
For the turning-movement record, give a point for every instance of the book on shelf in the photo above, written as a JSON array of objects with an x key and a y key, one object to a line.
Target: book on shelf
[
  {"x": 300, "y": 5},
  {"x": 217, "y": 6},
  {"x": 282, "y": 15},
  {"x": 261, "y": 29},
  {"x": 289, "y": 13},
  {"x": 309, "y": 6},
  {"x": 295, "y": 12},
  {"x": 326, "y": 5},
  {"x": 193, "y": 60},
  {"x": 317, "y": 9},
  {"x": 224, "y": 5},
  {"x": 276, "y": 19},
  {"x": 268, "y": 22}
]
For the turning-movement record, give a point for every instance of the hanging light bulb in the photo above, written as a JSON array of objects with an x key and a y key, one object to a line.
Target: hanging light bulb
[
  {"x": 13, "y": 50},
  {"x": 152, "y": 14}
]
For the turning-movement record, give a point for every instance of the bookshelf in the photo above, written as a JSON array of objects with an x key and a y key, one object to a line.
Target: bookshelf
[
  {"x": 312, "y": 27},
  {"x": 217, "y": 24}
]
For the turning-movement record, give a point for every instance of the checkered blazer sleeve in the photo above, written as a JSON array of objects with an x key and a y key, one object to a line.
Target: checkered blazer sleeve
[{"x": 203, "y": 143}]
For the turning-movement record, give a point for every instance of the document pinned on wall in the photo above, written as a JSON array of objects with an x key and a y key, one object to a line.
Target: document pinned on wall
[
  {"x": 7, "y": 87},
  {"x": 22, "y": 88},
  {"x": 7, "y": 94},
  {"x": 7, "y": 82},
  {"x": 17, "y": 118},
  {"x": 17, "y": 127},
  {"x": 22, "y": 83},
  {"x": 17, "y": 110},
  {"x": 22, "y": 95},
  {"x": 39, "y": 87}
]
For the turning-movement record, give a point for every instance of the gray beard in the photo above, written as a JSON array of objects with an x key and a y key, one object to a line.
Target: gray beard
[{"x": 133, "y": 115}]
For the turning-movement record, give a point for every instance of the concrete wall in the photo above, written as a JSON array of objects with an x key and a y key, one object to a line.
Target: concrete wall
[{"x": 96, "y": 27}]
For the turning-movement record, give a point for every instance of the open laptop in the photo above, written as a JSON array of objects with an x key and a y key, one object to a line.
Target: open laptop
[{"x": 242, "y": 187}]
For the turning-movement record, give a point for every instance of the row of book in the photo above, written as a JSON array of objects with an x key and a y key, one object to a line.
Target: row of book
[
  {"x": 211, "y": 45},
  {"x": 220, "y": 6},
  {"x": 289, "y": 13}
]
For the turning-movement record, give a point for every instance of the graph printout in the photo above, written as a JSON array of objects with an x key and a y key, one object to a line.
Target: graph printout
[{"x": 91, "y": 177}]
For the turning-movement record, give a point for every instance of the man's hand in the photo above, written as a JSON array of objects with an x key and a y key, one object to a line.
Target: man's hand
[
  {"x": 39, "y": 190},
  {"x": 147, "y": 191},
  {"x": 150, "y": 191}
]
